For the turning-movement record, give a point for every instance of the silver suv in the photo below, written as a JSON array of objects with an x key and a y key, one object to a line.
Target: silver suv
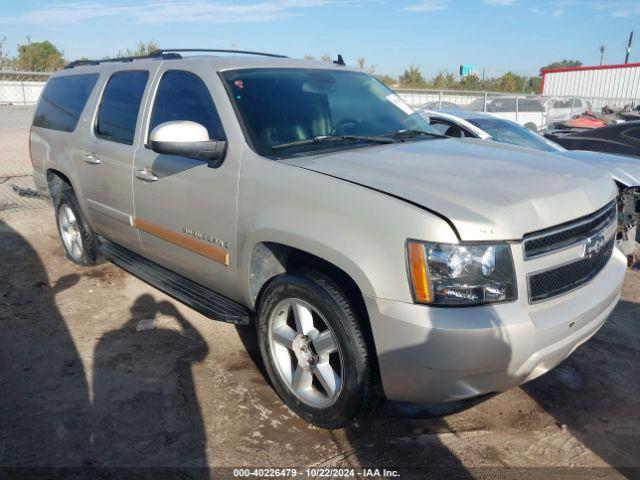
[{"x": 310, "y": 200}]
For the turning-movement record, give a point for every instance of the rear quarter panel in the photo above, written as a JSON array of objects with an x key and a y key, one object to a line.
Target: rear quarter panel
[{"x": 57, "y": 150}]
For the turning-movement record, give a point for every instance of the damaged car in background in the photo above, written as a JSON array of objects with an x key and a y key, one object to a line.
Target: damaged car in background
[
  {"x": 625, "y": 171},
  {"x": 620, "y": 138}
]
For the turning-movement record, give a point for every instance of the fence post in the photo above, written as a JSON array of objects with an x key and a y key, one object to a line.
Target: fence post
[
  {"x": 517, "y": 106},
  {"x": 484, "y": 105},
  {"x": 440, "y": 100},
  {"x": 24, "y": 97}
]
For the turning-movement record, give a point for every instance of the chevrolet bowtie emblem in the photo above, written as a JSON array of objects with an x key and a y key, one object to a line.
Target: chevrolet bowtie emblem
[{"x": 593, "y": 245}]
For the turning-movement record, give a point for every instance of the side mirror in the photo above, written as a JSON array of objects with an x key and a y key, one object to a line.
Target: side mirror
[{"x": 187, "y": 139}]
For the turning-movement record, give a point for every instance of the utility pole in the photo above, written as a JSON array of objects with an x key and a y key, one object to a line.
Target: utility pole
[
  {"x": 602, "y": 49},
  {"x": 626, "y": 58}
]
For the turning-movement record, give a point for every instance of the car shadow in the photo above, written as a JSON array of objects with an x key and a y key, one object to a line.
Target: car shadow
[
  {"x": 138, "y": 416},
  {"x": 44, "y": 405},
  {"x": 145, "y": 409}
]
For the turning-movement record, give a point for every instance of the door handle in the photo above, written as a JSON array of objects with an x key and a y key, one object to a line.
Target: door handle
[
  {"x": 91, "y": 159},
  {"x": 146, "y": 175}
]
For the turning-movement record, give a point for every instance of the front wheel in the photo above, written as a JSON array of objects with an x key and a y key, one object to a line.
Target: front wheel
[{"x": 314, "y": 349}]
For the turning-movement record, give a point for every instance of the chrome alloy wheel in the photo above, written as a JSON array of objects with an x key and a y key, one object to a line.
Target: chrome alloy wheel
[
  {"x": 70, "y": 232},
  {"x": 305, "y": 353}
]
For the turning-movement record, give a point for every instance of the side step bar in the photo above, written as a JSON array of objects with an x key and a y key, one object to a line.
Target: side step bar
[{"x": 206, "y": 301}]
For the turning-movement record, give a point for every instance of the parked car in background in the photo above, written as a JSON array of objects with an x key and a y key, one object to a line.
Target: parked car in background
[
  {"x": 529, "y": 112},
  {"x": 535, "y": 113},
  {"x": 308, "y": 200},
  {"x": 563, "y": 109},
  {"x": 620, "y": 138},
  {"x": 624, "y": 171},
  {"x": 438, "y": 105}
]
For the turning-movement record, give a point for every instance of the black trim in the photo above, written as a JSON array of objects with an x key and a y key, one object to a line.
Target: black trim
[
  {"x": 153, "y": 55},
  {"x": 202, "y": 299},
  {"x": 164, "y": 51},
  {"x": 211, "y": 151},
  {"x": 397, "y": 197}
]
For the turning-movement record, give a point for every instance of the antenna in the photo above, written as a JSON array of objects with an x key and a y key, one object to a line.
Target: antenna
[
  {"x": 602, "y": 49},
  {"x": 339, "y": 61}
]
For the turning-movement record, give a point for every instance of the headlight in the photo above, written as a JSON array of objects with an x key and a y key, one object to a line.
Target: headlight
[{"x": 455, "y": 274}]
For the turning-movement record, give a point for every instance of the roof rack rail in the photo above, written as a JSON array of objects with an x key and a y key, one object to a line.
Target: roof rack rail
[
  {"x": 163, "y": 51},
  {"x": 154, "y": 54}
]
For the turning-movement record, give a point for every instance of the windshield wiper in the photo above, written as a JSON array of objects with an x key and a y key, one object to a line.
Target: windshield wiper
[
  {"x": 413, "y": 133},
  {"x": 332, "y": 138}
]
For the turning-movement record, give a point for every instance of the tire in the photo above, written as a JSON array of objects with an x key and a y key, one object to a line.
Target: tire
[
  {"x": 330, "y": 311},
  {"x": 77, "y": 238}
]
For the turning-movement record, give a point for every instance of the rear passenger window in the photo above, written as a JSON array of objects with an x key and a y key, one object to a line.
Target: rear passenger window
[
  {"x": 63, "y": 100},
  {"x": 120, "y": 105},
  {"x": 184, "y": 96}
]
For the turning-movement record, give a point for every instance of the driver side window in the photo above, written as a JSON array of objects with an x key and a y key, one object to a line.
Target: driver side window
[{"x": 183, "y": 95}]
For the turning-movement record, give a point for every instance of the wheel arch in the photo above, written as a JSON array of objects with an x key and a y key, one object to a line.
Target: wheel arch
[
  {"x": 55, "y": 181},
  {"x": 270, "y": 260}
]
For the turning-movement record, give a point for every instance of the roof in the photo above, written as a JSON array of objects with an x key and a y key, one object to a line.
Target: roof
[
  {"x": 594, "y": 67},
  {"x": 219, "y": 62}
]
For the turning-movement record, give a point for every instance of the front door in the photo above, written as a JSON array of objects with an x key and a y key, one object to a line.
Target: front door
[{"x": 185, "y": 211}]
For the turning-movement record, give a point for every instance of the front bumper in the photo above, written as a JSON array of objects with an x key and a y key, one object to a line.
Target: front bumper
[{"x": 430, "y": 354}]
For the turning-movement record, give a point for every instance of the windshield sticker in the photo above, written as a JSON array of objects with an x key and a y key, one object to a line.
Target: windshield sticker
[{"x": 398, "y": 102}]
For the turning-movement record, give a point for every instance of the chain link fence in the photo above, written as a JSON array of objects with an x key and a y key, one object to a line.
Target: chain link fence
[
  {"x": 19, "y": 92},
  {"x": 539, "y": 111}
]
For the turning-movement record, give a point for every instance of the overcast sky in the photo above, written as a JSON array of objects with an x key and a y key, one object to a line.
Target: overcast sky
[{"x": 437, "y": 35}]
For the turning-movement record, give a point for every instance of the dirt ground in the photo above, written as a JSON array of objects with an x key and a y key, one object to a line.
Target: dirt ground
[{"x": 98, "y": 369}]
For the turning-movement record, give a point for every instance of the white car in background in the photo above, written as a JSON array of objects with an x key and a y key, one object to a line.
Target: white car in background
[
  {"x": 535, "y": 113},
  {"x": 625, "y": 171},
  {"x": 529, "y": 112}
]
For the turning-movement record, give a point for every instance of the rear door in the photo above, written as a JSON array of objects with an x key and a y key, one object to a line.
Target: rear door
[
  {"x": 108, "y": 154},
  {"x": 185, "y": 210}
]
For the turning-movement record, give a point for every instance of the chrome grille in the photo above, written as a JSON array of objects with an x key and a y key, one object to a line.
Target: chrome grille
[
  {"x": 563, "y": 236},
  {"x": 556, "y": 281}
]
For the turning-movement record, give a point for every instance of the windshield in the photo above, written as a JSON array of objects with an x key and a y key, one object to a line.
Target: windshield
[
  {"x": 279, "y": 106},
  {"x": 504, "y": 131}
]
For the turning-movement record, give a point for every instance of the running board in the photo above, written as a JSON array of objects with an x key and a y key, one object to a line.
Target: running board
[{"x": 206, "y": 301}]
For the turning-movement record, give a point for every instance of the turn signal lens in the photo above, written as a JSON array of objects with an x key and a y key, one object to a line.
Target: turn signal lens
[{"x": 419, "y": 272}]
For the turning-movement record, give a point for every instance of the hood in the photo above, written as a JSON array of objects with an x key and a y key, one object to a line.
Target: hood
[
  {"x": 623, "y": 169},
  {"x": 488, "y": 191}
]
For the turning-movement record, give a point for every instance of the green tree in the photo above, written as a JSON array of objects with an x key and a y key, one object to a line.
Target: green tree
[
  {"x": 387, "y": 80},
  {"x": 142, "y": 49},
  {"x": 6, "y": 62},
  {"x": 510, "y": 82},
  {"x": 535, "y": 85},
  {"x": 470, "y": 82},
  {"x": 362, "y": 65},
  {"x": 412, "y": 78},
  {"x": 39, "y": 57},
  {"x": 326, "y": 58},
  {"x": 442, "y": 81},
  {"x": 563, "y": 64},
  {"x": 309, "y": 57}
]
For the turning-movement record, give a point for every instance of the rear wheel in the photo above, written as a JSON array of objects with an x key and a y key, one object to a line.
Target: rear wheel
[
  {"x": 78, "y": 240},
  {"x": 314, "y": 349}
]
